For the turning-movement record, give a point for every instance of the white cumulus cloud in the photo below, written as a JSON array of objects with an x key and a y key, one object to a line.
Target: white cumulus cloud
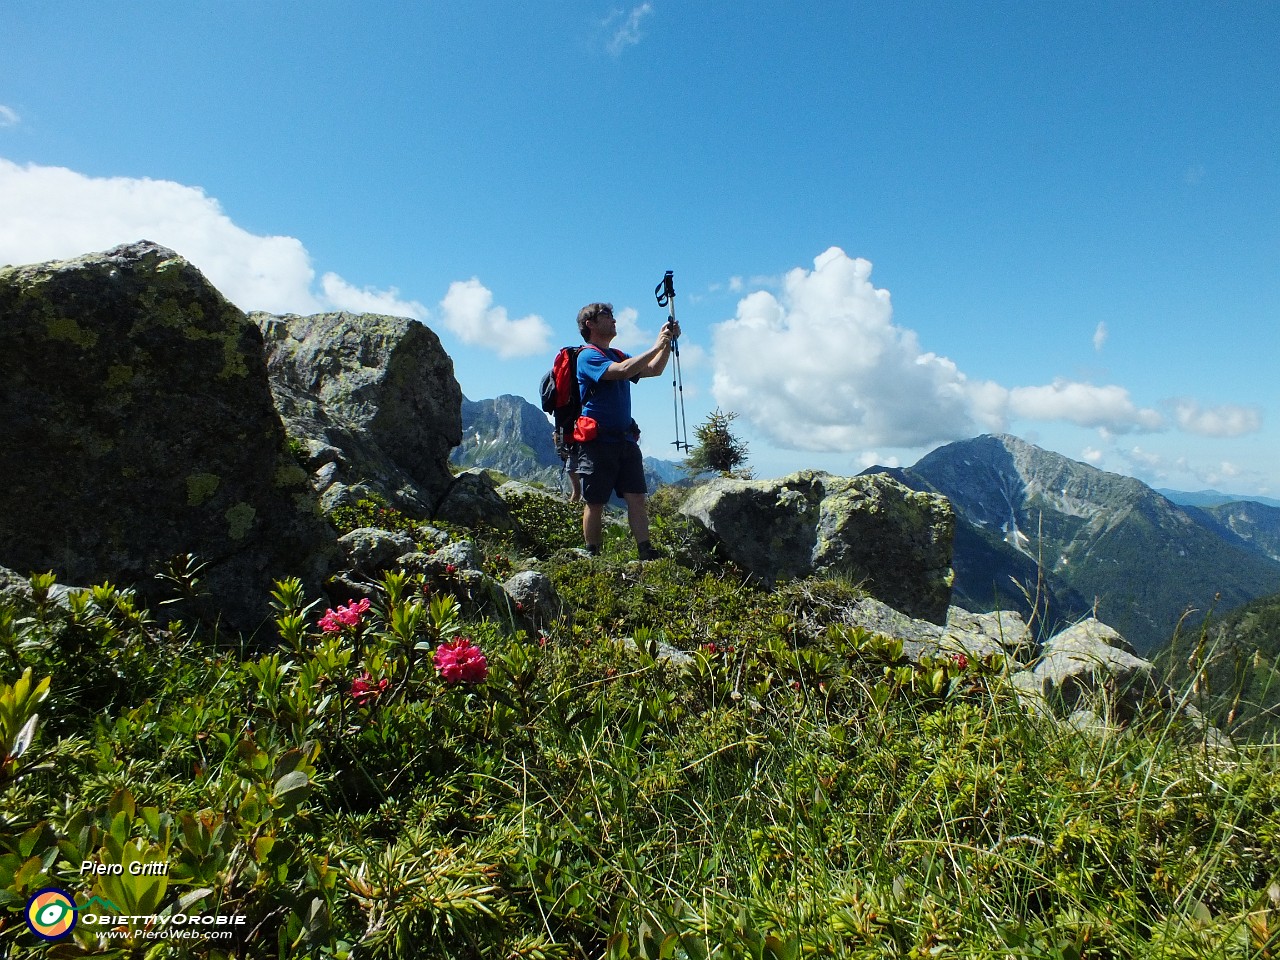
[
  {"x": 52, "y": 213},
  {"x": 1228, "y": 420},
  {"x": 468, "y": 310},
  {"x": 1084, "y": 404},
  {"x": 1099, "y": 335},
  {"x": 823, "y": 367},
  {"x": 1225, "y": 472},
  {"x": 630, "y": 335},
  {"x": 1146, "y": 460},
  {"x": 872, "y": 458},
  {"x": 8, "y": 116}
]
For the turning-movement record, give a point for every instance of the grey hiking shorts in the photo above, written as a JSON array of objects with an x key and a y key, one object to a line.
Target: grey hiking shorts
[{"x": 609, "y": 468}]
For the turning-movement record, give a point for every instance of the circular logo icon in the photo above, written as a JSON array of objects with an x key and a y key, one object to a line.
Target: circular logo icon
[{"x": 51, "y": 913}]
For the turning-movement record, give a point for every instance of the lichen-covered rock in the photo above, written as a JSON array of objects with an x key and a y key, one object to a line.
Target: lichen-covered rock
[
  {"x": 976, "y": 635},
  {"x": 13, "y": 584},
  {"x": 919, "y": 638},
  {"x": 139, "y": 426},
  {"x": 372, "y": 398},
  {"x": 870, "y": 527},
  {"x": 768, "y": 527},
  {"x": 370, "y": 550},
  {"x": 461, "y": 554}
]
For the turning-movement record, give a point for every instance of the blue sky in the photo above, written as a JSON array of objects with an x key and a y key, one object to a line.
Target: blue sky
[{"x": 892, "y": 224}]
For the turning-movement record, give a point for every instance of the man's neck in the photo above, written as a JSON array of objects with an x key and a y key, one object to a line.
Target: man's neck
[{"x": 600, "y": 342}]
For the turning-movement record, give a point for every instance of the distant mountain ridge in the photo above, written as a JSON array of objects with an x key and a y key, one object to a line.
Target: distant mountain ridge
[
  {"x": 1100, "y": 539},
  {"x": 1213, "y": 498},
  {"x": 1254, "y": 522}
]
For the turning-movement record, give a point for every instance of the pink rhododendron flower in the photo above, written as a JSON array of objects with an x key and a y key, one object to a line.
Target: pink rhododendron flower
[
  {"x": 364, "y": 689},
  {"x": 714, "y": 647},
  {"x": 461, "y": 661},
  {"x": 349, "y": 616}
]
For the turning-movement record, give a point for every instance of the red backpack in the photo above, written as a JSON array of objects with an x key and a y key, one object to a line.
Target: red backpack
[{"x": 560, "y": 395}]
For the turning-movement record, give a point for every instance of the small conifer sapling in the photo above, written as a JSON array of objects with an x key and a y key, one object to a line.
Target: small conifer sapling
[{"x": 717, "y": 449}]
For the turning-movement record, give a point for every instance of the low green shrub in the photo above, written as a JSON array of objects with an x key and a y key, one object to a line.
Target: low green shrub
[{"x": 373, "y": 511}]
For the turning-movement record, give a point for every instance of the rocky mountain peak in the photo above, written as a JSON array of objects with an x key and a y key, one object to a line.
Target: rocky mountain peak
[
  {"x": 1098, "y": 539},
  {"x": 1004, "y": 483}
]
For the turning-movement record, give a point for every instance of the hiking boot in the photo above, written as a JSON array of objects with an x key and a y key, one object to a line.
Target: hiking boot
[{"x": 645, "y": 551}]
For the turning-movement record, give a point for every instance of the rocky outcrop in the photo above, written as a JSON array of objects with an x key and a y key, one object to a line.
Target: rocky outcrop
[
  {"x": 1086, "y": 675},
  {"x": 368, "y": 551},
  {"x": 1257, "y": 524},
  {"x": 976, "y": 635},
  {"x": 372, "y": 399},
  {"x": 139, "y": 426},
  {"x": 473, "y": 500},
  {"x": 871, "y": 528},
  {"x": 534, "y": 599}
]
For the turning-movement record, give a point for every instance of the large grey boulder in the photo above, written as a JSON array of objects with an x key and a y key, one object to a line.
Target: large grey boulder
[
  {"x": 139, "y": 426},
  {"x": 1088, "y": 666},
  {"x": 373, "y": 400},
  {"x": 979, "y": 635},
  {"x": 456, "y": 568},
  {"x": 869, "y": 527},
  {"x": 1086, "y": 676},
  {"x": 473, "y": 500},
  {"x": 534, "y": 598}
]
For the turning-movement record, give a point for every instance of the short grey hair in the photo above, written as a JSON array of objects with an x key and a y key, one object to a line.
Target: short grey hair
[{"x": 590, "y": 312}]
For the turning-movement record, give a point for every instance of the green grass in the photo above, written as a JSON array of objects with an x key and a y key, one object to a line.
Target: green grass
[{"x": 796, "y": 789}]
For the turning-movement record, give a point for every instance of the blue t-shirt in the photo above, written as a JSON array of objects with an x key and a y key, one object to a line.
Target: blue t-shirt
[{"x": 608, "y": 402}]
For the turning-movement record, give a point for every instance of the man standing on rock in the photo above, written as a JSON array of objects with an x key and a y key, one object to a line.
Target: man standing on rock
[{"x": 609, "y": 441}]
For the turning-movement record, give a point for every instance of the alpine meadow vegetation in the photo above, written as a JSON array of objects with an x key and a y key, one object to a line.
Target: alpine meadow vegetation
[{"x": 681, "y": 765}]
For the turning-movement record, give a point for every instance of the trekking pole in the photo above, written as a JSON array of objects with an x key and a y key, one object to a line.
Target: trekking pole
[{"x": 666, "y": 294}]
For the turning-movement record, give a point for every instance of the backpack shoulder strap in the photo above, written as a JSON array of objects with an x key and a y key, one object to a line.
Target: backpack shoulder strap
[{"x": 586, "y": 397}]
